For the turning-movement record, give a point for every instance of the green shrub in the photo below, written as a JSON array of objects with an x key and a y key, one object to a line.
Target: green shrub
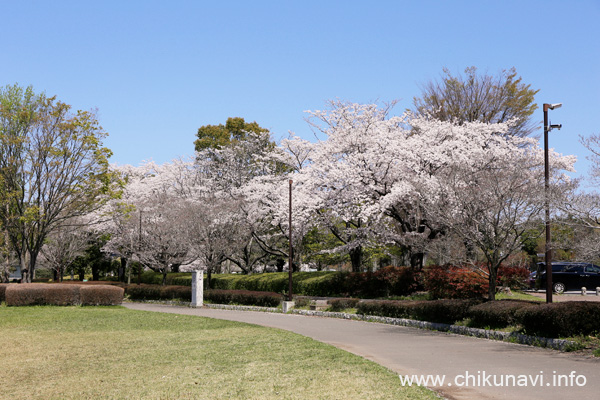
[
  {"x": 243, "y": 297},
  {"x": 319, "y": 283},
  {"x": 173, "y": 278},
  {"x": 388, "y": 281},
  {"x": 159, "y": 292},
  {"x": 174, "y": 292},
  {"x": 386, "y": 308},
  {"x": 28, "y": 294},
  {"x": 497, "y": 314},
  {"x": 445, "y": 311},
  {"x": 144, "y": 292},
  {"x": 561, "y": 319},
  {"x": 301, "y": 301},
  {"x": 342, "y": 304},
  {"x": 101, "y": 295}
]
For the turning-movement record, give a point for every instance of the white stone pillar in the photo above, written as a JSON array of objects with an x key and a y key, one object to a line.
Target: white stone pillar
[
  {"x": 288, "y": 306},
  {"x": 197, "y": 289}
]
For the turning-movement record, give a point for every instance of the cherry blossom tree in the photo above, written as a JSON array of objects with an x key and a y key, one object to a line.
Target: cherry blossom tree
[
  {"x": 395, "y": 173},
  {"x": 494, "y": 198},
  {"x": 62, "y": 247}
]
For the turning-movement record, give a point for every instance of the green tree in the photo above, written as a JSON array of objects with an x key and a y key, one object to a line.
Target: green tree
[
  {"x": 53, "y": 168},
  {"x": 220, "y": 136},
  {"x": 477, "y": 97}
]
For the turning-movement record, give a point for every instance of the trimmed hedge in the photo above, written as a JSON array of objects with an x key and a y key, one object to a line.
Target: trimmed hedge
[
  {"x": 447, "y": 311},
  {"x": 243, "y": 297},
  {"x": 184, "y": 293},
  {"x": 387, "y": 308},
  {"x": 388, "y": 281},
  {"x": 28, "y": 294},
  {"x": 101, "y": 295},
  {"x": 173, "y": 278},
  {"x": 3, "y": 287},
  {"x": 305, "y": 283},
  {"x": 342, "y": 304},
  {"x": 158, "y": 292},
  {"x": 498, "y": 313},
  {"x": 561, "y": 319}
]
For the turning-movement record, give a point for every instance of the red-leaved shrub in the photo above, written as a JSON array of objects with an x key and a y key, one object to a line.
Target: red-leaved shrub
[
  {"x": 452, "y": 282},
  {"x": 513, "y": 277}
]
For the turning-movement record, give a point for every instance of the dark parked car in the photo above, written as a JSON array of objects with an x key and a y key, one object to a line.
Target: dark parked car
[{"x": 569, "y": 276}]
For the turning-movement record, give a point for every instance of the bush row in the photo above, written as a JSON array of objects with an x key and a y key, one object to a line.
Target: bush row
[
  {"x": 3, "y": 287},
  {"x": 440, "y": 281},
  {"x": 184, "y": 293},
  {"x": 445, "y": 311},
  {"x": 158, "y": 292},
  {"x": 561, "y": 319},
  {"x": 389, "y": 281},
  {"x": 244, "y": 297},
  {"x": 548, "y": 320},
  {"x": 498, "y": 314},
  {"x": 28, "y": 294},
  {"x": 173, "y": 278},
  {"x": 342, "y": 304},
  {"x": 457, "y": 282}
]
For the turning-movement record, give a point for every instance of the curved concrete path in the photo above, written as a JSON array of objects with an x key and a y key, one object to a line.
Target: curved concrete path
[{"x": 409, "y": 351}]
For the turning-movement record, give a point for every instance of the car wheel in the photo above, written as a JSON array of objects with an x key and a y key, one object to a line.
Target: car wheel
[{"x": 559, "y": 287}]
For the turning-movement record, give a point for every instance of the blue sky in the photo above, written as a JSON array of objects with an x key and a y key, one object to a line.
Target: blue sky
[{"x": 158, "y": 70}]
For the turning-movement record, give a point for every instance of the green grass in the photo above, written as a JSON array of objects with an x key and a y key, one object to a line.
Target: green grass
[
  {"x": 518, "y": 296},
  {"x": 115, "y": 353}
]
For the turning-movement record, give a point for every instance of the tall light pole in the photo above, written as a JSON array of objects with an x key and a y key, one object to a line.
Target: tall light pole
[
  {"x": 548, "y": 128},
  {"x": 290, "y": 262}
]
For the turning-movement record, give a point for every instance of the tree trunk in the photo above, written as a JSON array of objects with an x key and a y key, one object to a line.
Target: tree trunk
[
  {"x": 356, "y": 256},
  {"x": 492, "y": 282},
  {"x": 280, "y": 263},
  {"x": 416, "y": 261},
  {"x": 122, "y": 269},
  {"x": 164, "y": 280},
  {"x": 24, "y": 268},
  {"x": 95, "y": 271}
]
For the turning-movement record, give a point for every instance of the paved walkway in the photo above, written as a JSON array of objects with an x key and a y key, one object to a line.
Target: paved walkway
[
  {"x": 410, "y": 351},
  {"x": 568, "y": 296}
]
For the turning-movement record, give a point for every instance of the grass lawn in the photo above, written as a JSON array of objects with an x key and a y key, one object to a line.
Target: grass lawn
[
  {"x": 517, "y": 295},
  {"x": 114, "y": 353}
]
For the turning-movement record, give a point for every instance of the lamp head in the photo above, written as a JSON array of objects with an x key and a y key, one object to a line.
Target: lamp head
[{"x": 552, "y": 106}]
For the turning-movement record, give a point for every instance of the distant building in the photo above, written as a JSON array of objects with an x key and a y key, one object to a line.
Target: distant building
[{"x": 15, "y": 275}]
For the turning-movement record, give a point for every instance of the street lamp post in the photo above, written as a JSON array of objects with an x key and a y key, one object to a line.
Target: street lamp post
[
  {"x": 291, "y": 258},
  {"x": 548, "y": 255}
]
